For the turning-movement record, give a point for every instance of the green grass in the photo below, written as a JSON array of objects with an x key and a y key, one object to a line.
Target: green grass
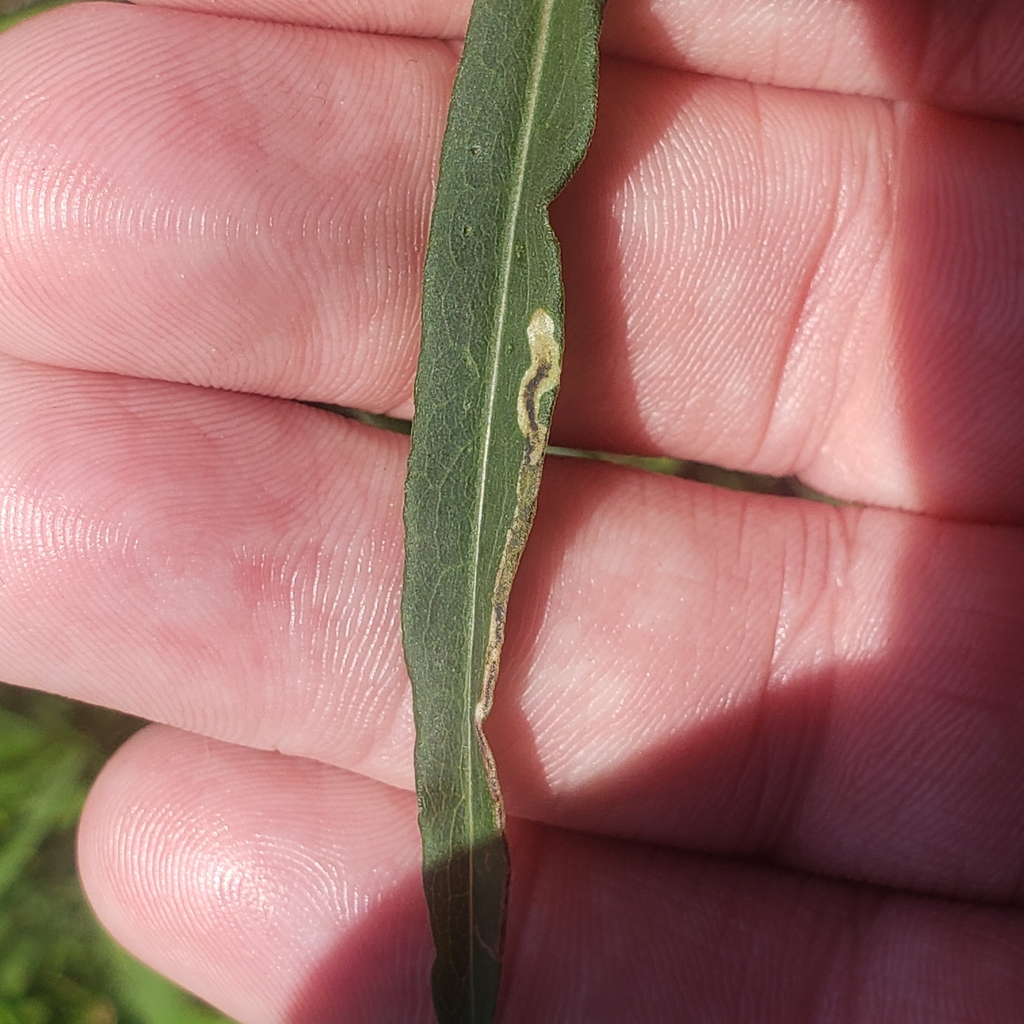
[
  {"x": 57, "y": 965},
  {"x": 13, "y": 11}
]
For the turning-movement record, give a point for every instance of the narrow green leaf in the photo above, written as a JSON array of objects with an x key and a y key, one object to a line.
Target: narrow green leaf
[
  {"x": 47, "y": 806},
  {"x": 521, "y": 116}
]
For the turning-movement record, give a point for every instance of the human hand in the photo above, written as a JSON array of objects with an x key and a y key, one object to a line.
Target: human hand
[{"x": 763, "y": 756}]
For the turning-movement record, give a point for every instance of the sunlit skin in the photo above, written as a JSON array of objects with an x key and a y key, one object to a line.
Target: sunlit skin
[{"x": 763, "y": 758}]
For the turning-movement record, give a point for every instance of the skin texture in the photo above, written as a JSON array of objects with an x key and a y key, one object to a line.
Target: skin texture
[{"x": 764, "y": 757}]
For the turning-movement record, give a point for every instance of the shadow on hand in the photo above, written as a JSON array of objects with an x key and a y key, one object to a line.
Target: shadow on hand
[{"x": 958, "y": 238}]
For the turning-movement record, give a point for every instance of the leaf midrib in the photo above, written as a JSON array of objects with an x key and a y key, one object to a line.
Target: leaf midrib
[{"x": 526, "y": 136}]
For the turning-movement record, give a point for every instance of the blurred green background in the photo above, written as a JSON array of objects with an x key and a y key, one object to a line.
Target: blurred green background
[
  {"x": 57, "y": 965},
  {"x": 12, "y": 11}
]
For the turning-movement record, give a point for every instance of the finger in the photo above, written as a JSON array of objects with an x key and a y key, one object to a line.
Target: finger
[
  {"x": 213, "y": 560},
  {"x": 283, "y": 890},
  {"x": 244, "y": 876},
  {"x": 230, "y": 203},
  {"x": 832, "y": 689},
  {"x": 966, "y": 56},
  {"x": 842, "y": 317},
  {"x": 961, "y": 56},
  {"x": 768, "y": 280}
]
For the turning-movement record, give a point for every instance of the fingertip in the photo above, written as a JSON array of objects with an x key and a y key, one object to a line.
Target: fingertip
[{"x": 248, "y": 877}]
